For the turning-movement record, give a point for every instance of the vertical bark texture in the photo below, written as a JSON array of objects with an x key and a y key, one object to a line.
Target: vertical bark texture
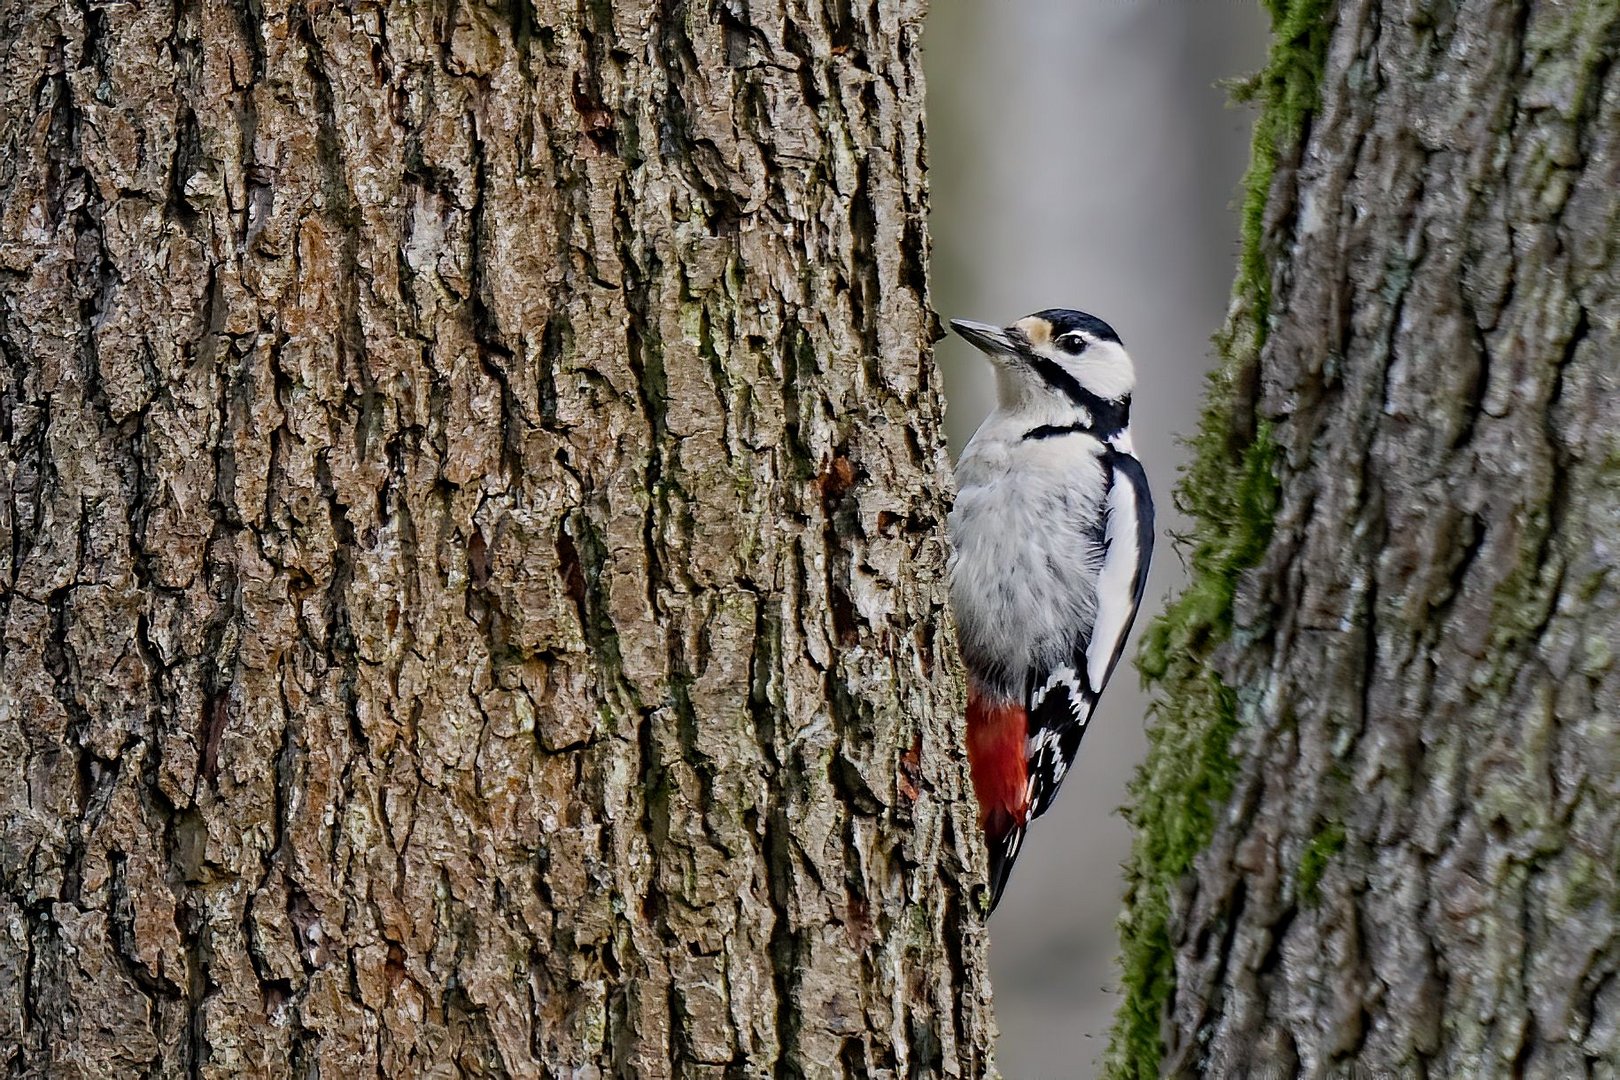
[
  {"x": 1402, "y": 779},
  {"x": 470, "y": 567}
]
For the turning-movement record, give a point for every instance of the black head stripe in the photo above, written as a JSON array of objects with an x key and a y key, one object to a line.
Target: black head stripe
[
  {"x": 1058, "y": 379},
  {"x": 1053, "y": 431},
  {"x": 1107, "y": 417}
]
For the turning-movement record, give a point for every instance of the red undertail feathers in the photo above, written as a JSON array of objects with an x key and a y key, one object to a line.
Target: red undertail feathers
[{"x": 997, "y": 734}]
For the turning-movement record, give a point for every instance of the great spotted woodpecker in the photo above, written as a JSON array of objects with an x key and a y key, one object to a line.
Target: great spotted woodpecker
[{"x": 1052, "y": 532}]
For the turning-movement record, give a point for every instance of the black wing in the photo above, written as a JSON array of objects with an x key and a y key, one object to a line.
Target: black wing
[{"x": 1060, "y": 702}]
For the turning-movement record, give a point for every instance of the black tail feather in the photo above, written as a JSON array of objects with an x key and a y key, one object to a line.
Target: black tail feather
[{"x": 1003, "y": 836}]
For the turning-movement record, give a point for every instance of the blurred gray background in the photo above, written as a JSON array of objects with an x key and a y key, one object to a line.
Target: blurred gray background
[{"x": 1083, "y": 156}]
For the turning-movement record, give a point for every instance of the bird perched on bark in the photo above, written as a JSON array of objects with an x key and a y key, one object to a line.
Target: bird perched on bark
[{"x": 1052, "y": 533}]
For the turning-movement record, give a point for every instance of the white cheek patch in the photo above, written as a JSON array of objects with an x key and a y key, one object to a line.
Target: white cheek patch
[{"x": 1105, "y": 369}]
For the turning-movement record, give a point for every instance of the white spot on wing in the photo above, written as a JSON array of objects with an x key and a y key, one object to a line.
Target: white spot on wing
[
  {"x": 1069, "y": 679},
  {"x": 1042, "y": 742},
  {"x": 1116, "y": 585}
]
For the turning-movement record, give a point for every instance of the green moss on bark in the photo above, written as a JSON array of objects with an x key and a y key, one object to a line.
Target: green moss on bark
[
  {"x": 1229, "y": 491},
  {"x": 1287, "y": 91},
  {"x": 1314, "y": 861}
]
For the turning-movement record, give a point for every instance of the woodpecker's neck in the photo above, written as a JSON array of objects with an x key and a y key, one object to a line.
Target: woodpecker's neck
[{"x": 1047, "y": 409}]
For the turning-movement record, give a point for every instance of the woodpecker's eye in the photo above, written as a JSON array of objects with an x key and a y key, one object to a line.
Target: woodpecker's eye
[{"x": 1073, "y": 342}]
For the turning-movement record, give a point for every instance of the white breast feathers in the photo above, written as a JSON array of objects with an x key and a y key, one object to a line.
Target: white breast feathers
[{"x": 1027, "y": 533}]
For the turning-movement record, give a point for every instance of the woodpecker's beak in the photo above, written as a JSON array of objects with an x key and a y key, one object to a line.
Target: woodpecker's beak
[{"x": 993, "y": 341}]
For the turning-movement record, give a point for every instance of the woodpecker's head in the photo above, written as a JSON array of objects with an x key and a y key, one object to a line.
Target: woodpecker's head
[{"x": 1057, "y": 357}]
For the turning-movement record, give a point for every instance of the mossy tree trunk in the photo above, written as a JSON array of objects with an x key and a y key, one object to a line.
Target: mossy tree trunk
[
  {"x": 1380, "y": 823},
  {"x": 470, "y": 558}
]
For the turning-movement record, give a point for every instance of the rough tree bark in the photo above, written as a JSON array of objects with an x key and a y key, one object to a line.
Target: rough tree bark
[
  {"x": 470, "y": 564},
  {"x": 1380, "y": 826}
]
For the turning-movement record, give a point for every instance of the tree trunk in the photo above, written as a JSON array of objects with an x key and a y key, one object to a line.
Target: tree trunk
[
  {"x": 1379, "y": 827},
  {"x": 471, "y": 570}
]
